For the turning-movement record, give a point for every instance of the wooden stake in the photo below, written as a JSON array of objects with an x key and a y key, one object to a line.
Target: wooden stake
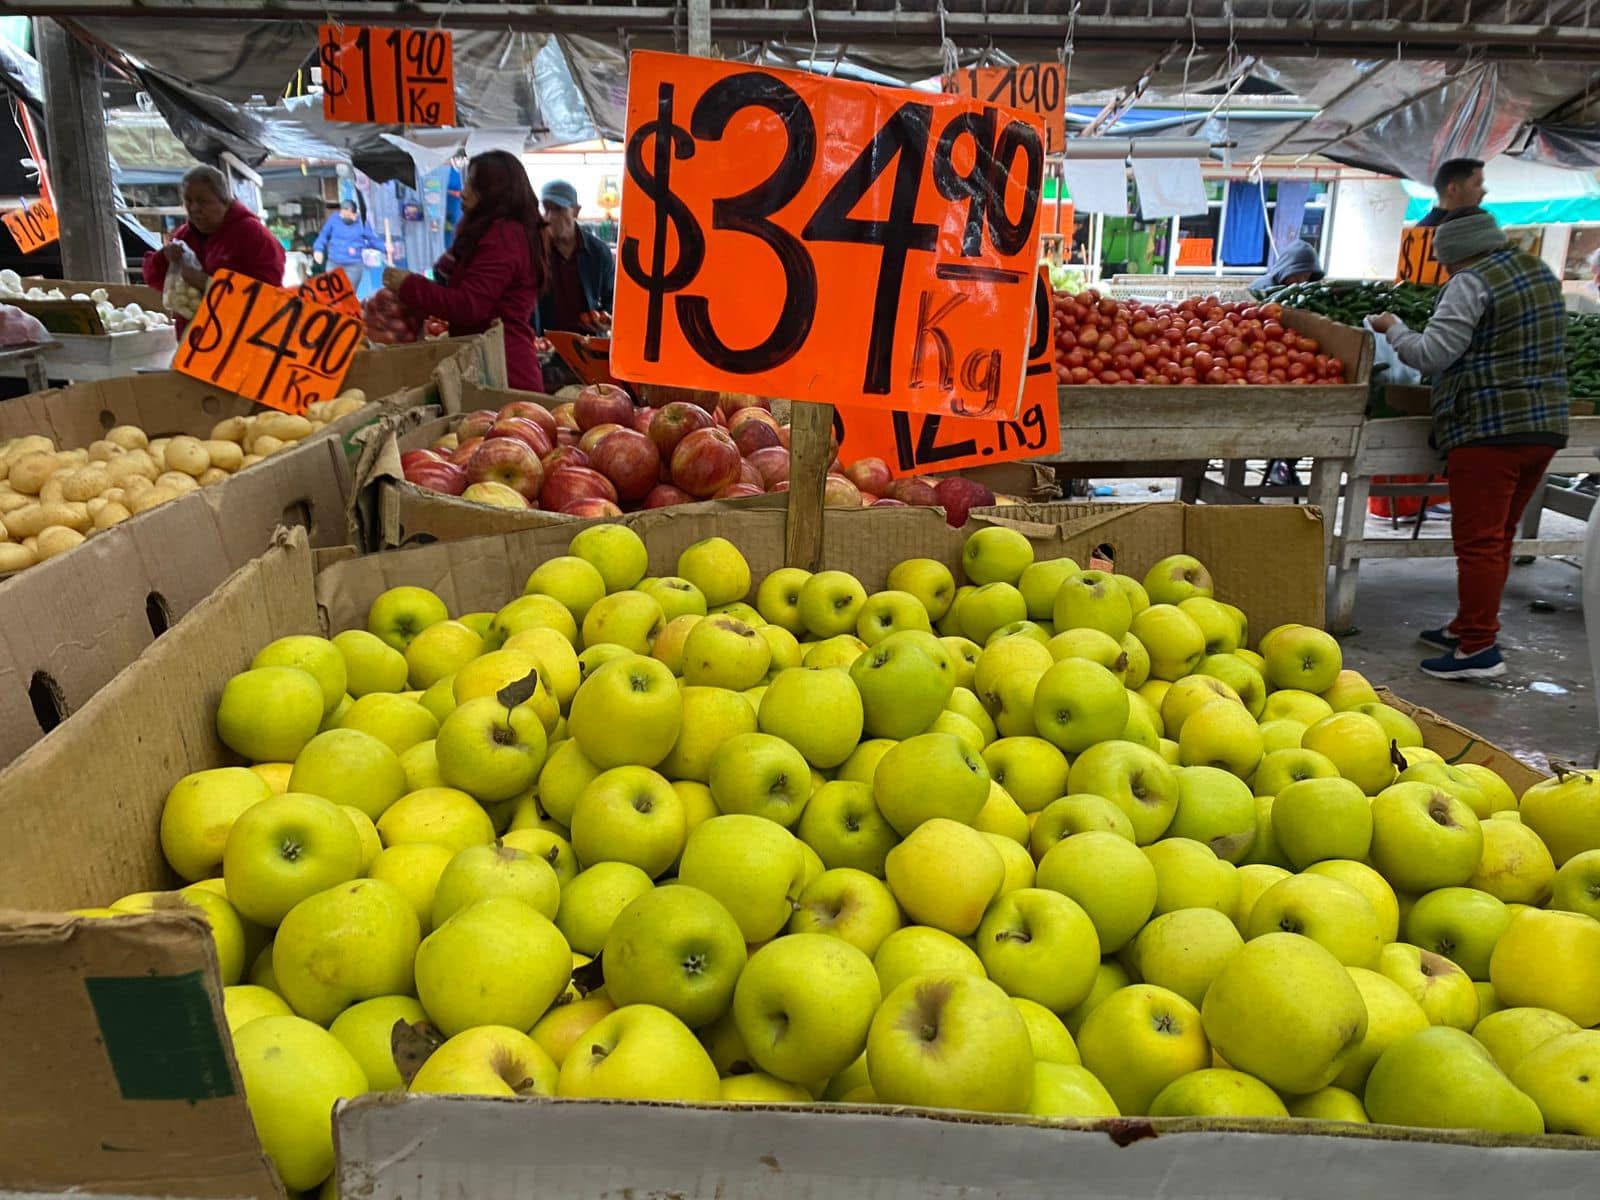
[{"x": 810, "y": 452}]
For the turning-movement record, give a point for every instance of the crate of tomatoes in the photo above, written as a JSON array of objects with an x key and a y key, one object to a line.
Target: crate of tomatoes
[{"x": 1200, "y": 341}]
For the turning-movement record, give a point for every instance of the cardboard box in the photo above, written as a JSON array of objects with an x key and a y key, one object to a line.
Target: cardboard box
[
  {"x": 86, "y": 1109},
  {"x": 76, "y": 620}
]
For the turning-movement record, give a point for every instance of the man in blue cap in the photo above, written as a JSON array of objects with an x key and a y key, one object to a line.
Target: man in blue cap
[{"x": 582, "y": 271}]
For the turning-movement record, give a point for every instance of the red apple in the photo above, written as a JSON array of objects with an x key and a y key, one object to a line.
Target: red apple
[
  {"x": 642, "y": 418},
  {"x": 870, "y": 475},
  {"x": 507, "y": 460},
  {"x": 412, "y": 457},
  {"x": 528, "y": 410},
  {"x": 592, "y": 436},
  {"x": 742, "y": 416},
  {"x": 592, "y": 506},
  {"x": 523, "y": 430},
  {"x": 564, "y": 456},
  {"x": 464, "y": 452},
  {"x": 705, "y": 462},
  {"x": 753, "y": 435},
  {"x": 783, "y": 436},
  {"x": 839, "y": 492},
  {"x": 885, "y": 502},
  {"x": 673, "y": 423},
  {"x": 497, "y": 494},
  {"x": 565, "y": 415},
  {"x": 960, "y": 496},
  {"x": 629, "y": 459},
  {"x": 781, "y": 486},
  {"x": 603, "y": 404},
  {"x": 567, "y": 437},
  {"x": 567, "y": 484},
  {"x": 732, "y": 402},
  {"x": 438, "y": 476},
  {"x": 772, "y": 464},
  {"x": 476, "y": 424},
  {"x": 735, "y": 490},
  {"x": 751, "y": 474},
  {"x": 663, "y": 495},
  {"x": 912, "y": 491}
]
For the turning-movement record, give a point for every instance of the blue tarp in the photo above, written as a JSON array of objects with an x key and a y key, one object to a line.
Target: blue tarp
[{"x": 1567, "y": 210}]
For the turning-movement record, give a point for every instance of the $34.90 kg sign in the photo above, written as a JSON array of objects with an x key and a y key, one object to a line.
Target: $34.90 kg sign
[
  {"x": 919, "y": 443},
  {"x": 269, "y": 344},
  {"x": 822, "y": 240}
]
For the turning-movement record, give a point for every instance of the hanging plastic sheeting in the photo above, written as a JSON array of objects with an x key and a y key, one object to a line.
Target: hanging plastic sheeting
[
  {"x": 1244, "y": 232},
  {"x": 1288, "y": 214},
  {"x": 599, "y": 75},
  {"x": 19, "y": 75}
]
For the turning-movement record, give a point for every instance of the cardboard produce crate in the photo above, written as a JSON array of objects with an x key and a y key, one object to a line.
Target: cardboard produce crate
[
  {"x": 74, "y": 621},
  {"x": 121, "y": 1079}
]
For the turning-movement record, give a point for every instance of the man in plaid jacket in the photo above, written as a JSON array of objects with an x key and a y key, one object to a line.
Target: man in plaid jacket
[{"x": 1496, "y": 349}]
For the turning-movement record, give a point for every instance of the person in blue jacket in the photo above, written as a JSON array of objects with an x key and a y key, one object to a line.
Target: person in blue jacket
[{"x": 343, "y": 238}]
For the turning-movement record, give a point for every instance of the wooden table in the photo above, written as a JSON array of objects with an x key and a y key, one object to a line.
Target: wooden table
[
  {"x": 1399, "y": 446},
  {"x": 27, "y": 362}
]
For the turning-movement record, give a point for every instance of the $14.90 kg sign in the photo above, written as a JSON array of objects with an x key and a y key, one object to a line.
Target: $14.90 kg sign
[
  {"x": 919, "y": 443},
  {"x": 822, "y": 240},
  {"x": 269, "y": 344}
]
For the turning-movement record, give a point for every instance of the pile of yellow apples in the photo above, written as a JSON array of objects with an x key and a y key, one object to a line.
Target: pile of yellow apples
[
  {"x": 52, "y": 499},
  {"x": 1044, "y": 841}
]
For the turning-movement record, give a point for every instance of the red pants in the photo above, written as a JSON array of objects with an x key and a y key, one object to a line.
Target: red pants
[{"x": 1489, "y": 488}]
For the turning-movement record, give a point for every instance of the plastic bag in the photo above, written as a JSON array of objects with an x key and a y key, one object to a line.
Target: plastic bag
[
  {"x": 18, "y": 328},
  {"x": 388, "y": 320},
  {"x": 179, "y": 296}
]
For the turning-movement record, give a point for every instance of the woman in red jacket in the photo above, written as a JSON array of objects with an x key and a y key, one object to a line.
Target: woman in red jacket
[
  {"x": 224, "y": 235},
  {"x": 496, "y": 268}
]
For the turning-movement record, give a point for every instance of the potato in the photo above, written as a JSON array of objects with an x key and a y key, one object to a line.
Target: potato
[
  {"x": 233, "y": 429},
  {"x": 112, "y": 495},
  {"x": 266, "y": 444},
  {"x": 58, "y": 540},
  {"x": 136, "y": 486},
  {"x": 353, "y": 401},
  {"x": 103, "y": 450},
  {"x": 86, "y": 483},
  {"x": 13, "y": 557},
  {"x": 250, "y": 460},
  {"x": 135, "y": 464},
  {"x": 4, "y": 536},
  {"x": 94, "y": 504},
  {"x": 225, "y": 455},
  {"x": 111, "y": 514},
  {"x": 73, "y": 516},
  {"x": 32, "y": 543},
  {"x": 31, "y": 444},
  {"x": 354, "y": 395},
  {"x": 158, "y": 494},
  {"x": 51, "y": 492},
  {"x": 318, "y": 410},
  {"x": 177, "y": 481},
  {"x": 72, "y": 458},
  {"x": 286, "y": 427},
  {"x": 31, "y": 472},
  {"x": 25, "y": 522},
  {"x": 212, "y": 475},
  {"x": 12, "y": 501},
  {"x": 129, "y": 437},
  {"x": 157, "y": 450},
  {"x": 187, "y": 454}
]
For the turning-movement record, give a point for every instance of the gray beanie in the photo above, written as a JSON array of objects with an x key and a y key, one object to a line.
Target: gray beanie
[{"x": 1465, "y": 234}]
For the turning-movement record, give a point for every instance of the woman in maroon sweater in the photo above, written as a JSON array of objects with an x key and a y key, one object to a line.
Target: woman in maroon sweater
[
  {"x": 224, "y": 235},
  {"x": 496, "y": 268}
]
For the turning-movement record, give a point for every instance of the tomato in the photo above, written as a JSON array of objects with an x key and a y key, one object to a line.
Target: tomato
[
  {"x": 1250, "y": 312},
  {"x": 1075, "y": 358},
  {"x": 1143, "y": 327},
  {"x": 1297, "y": 370},
  {"x": 1066, "y": 339},
  {"x": 1110, "y": 377},
  {"x": 1108, "y": 307},
  {"x": 1137, "y": 360},
  {"x": 1276, "y": 376},
  {"x": 1080, "y": 375},
  {"x": 1238, "y": 362},
  {"x": 1235, "y": 347},
  {"x": 1125, "y": 376},
  {"x": 1203, "y": 361},
  {"x": 1272, "y": 329},
  {"x": 1106, "y": 343},
  {"x": 1217, "y": 375},
  {"x": 1272, "y": 312},
  {"x": 1336, "y": 368},
  {"x": 1173, "y": 372}
]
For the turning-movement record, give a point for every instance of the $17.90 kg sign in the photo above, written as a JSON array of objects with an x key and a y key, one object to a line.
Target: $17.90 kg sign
[
  {"x": 269, "y": 344},
  {"x": 823, "y": 240}
]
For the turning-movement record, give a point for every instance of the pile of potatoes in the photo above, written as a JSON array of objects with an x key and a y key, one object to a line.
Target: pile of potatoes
[{"x": 52, "y": 499}]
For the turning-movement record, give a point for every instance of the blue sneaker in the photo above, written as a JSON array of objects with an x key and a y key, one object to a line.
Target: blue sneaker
[
  {"x": 1440, "y": 638},
  {"x": 1485, "y": 664}
]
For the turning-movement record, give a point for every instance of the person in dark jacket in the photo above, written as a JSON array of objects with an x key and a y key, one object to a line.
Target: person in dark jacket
[
  {"x": 496, "y": 268},
  {"x": 582, "y": 270},
  {"x": 1495, "y": 347},
  {"x": 1297, "y": 264},
  {"x": 224, "y": 235},
  {"x": 343, "y": 238},
  {"x": 1458, "y": 184}
]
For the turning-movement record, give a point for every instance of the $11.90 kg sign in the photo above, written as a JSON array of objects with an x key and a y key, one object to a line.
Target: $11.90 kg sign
[
  {"x": 372, "y": 75},
  {"x": 269, "y": 344},
  {"x": 919, "y": 443},
  {"x": 817, "y": 239}
]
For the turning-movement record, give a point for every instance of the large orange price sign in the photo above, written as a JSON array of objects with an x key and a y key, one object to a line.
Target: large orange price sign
[
  {"x": 589, "y": 357},
  {"x": 373, "y": 75},
  {"x": 1417, "y": 264},
  {"x": 269, "y": 344},
  {"x": 333, "y": 289},
  {"x": 1039, "y": 88},
  {"x": 918, "y": 443},
  {"x": 816, "y": 239},
  {"x": 33, "y": 226}
]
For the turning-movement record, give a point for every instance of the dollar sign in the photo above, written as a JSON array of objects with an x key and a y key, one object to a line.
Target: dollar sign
[
  {"x": 205, "y": 335},
  {"x": 671, "y": 141},
  {"x": 334, "y": 81}
]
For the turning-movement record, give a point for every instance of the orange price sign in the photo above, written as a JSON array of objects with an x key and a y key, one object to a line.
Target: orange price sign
[
  {"x": 1039, "y": 88},
  {"x": 267, "y": 343},
  {"x": 33, "y": 226},
  {"x": 790, "y": 235},
  {"x": 373, "y": 75},
  {"x": 333, "y": 289},
  {"x": 917, "y": 443},
  {"x": 589, "y": 357},
  {"x": 1417, "y": 264}
]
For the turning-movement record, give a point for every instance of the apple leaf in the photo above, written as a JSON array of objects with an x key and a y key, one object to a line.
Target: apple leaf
[
  {"x": 410, "y": 1044},
  {"x": 590, "y": 977},
  {"x": 519, "y": 691}
]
